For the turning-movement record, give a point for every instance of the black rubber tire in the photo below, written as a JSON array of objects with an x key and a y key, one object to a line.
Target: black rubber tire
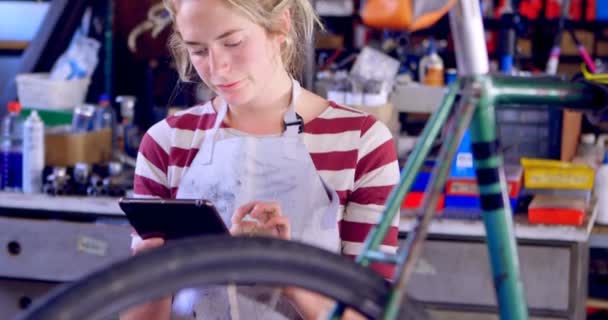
[{"x": 214, "y": 260}]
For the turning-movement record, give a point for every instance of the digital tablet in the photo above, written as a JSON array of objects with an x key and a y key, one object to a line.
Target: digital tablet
[{"x": 172, "y": 219}]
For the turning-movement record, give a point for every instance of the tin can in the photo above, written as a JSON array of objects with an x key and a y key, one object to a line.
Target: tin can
[{"x": 450, "y": 76}]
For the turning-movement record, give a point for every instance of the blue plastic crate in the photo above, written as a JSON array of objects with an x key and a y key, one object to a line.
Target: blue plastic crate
[{"x": 464, "y": 202}]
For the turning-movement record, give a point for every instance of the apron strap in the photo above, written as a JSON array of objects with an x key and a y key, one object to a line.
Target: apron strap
[
  {"x": 293, "y": 123},
  {"x": 206, "y": 150}
]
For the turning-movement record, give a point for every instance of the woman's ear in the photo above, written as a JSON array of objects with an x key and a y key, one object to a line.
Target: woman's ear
[{"x": 285, "y": 26}]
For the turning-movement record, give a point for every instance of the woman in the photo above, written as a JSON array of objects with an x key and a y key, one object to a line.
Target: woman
[{"x": 274, "y": 158}]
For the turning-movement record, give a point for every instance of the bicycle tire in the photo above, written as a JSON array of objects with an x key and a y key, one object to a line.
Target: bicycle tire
[{"x": 212, "y": 261}]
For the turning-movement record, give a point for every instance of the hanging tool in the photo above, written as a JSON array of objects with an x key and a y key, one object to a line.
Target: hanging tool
[
  {"x": 510, "y": 23},
  {"x": 583, "y": 52},
  {"x": 553, "y": 61},
  {"x": 408, "y": 15}
]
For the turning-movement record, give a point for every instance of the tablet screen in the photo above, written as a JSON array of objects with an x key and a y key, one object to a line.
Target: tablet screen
[{"x": 171, "y": 218}]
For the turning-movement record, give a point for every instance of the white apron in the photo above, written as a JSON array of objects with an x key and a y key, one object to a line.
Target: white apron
[{"x": 232, "y": 171}]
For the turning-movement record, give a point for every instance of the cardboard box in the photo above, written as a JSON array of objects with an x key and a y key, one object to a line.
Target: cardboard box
[
  {"x": 329, "y": 42},
  {"x": 66, "y": 148},
  {"x": 568, "y": 47},
  {"x": 571, "y": 131},
  {"x": 602, "y": 47},
  {"x": 525, "y": 47},
  {"x": 385, "y": 113}
]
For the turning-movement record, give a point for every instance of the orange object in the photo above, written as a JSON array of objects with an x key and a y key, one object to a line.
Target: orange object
[
  {"x": 556, "y": 210},
  {"x": 530, "y": 8},
  {"x": 576, "y": 10},
  {"x": 553, "y": 10},
  {"x": 590, "y": 14},
  {"x": 14, "y": 106},
  {"x": 404, "y": 14},
  {"x": 414, "y": 200},
  {"x": 556, "y": 216},
  {"x": 434, "y": 77}
]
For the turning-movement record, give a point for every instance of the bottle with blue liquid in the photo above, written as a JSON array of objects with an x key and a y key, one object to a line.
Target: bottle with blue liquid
[
  {"x": 11, "y": 149},
  {"x": 104, "y": 114},
  {"x": 105, "y": 117}
]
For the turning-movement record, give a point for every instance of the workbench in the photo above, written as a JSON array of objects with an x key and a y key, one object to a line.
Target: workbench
[
  {"x": 50, "y": 240},
  {"x": 453, "y": 274}
]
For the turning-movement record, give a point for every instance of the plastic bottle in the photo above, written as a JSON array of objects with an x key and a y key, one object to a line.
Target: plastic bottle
[
  {"x": 130, "y": 133},
  {"x": 83, "y": 118},
  {"x": 601, "y": 146},
  {"x": 104, "y": 114},
  {"x": 33, "y": 153},
  {"x": 338, "y": 88},
  {"x": 601, "y": 191},
  {"x": 587, "y": 151},
  {"x": 430, "y": 70},
  {"x": 11, "y": 148},
  {"x": 105, "y": 117}
]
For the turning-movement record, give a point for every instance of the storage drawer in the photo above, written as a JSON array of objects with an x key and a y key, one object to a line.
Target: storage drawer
[
  {"x": 54, "y": 250},
  {"x": 17, "y": 295},
  {"x": 458, "y": 272}
]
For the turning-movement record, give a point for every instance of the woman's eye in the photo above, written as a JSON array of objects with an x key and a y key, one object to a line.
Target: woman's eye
[
  {"x": 233, "y": 43},
  {"x": 200, "y": 52}
]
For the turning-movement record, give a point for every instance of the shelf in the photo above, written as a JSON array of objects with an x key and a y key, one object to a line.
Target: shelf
[
  {"x": 597, "y": 303},
  {"x": 13, "y": 45},
  {"x": 599, "y": 237},
  {"x": 42, "y": 202},
  {"x": 442, "y": 26},
  {"x": 523, "y": 229},
  {"x": 12, "y": 48}
]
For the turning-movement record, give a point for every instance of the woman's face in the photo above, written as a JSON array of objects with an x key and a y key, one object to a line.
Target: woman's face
[{"x": 234, "y": 56}]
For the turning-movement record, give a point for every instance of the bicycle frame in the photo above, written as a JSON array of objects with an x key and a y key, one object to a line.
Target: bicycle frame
[{"x": 480, "y": 94}]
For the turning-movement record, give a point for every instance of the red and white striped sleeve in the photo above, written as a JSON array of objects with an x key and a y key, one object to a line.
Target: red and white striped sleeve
[
  {"x": 376, "y": 173},
  {"x": 152, "y": 163}
]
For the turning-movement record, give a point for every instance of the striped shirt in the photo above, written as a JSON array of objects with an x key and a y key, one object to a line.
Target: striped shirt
[{"x": 352, "y": 151}]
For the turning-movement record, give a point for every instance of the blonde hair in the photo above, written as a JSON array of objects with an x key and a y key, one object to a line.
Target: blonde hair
[{"x": 268, "y": 14}]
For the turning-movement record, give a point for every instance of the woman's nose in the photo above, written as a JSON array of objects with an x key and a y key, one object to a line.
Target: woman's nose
[{"x": 218, "y": 62}]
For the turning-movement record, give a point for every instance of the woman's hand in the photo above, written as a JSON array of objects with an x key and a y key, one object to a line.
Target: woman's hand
[
  {"x": 153, "y": 310},
  {"x": 314, "y": 306},
  {"x": 139, "y": 245},
  {"x": 265, "y": 218}
]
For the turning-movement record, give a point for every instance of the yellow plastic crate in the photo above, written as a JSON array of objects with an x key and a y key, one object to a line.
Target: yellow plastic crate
[{"x": 553, "y": 174}]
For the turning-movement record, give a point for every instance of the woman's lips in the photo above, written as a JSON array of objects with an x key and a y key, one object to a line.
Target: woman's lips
[{"x": 228, "y": 85}]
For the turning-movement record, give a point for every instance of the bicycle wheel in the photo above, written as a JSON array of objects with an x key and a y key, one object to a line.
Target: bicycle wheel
[{"x": 212, "y": 261}]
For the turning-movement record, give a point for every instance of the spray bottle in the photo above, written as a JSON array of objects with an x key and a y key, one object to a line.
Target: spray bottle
[
  {"x": 601, "y": 191},
  {"x": 33, "y": 153},
  {"x": 430, "y": 70}
]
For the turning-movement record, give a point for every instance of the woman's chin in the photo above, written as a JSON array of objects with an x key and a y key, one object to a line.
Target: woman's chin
[{"x": 235, "y": 98}]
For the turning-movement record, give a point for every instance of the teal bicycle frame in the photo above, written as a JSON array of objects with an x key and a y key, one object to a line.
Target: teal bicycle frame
[{"x": 480, "y": 93}]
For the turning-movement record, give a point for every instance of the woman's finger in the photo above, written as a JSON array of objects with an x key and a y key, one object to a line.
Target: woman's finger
[
  {"x": 147, "y": 244},
  {"x": 279, "y": 225},
  {"x": 242, "y": 211},
  {"x": 243, "y": 228},
  {"x": 264, "y": 211}
]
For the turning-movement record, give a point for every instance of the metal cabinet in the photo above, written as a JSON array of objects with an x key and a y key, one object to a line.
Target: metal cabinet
[
  {"x": 38, "y": 254},
  {"x": 454, "y": 274}
]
